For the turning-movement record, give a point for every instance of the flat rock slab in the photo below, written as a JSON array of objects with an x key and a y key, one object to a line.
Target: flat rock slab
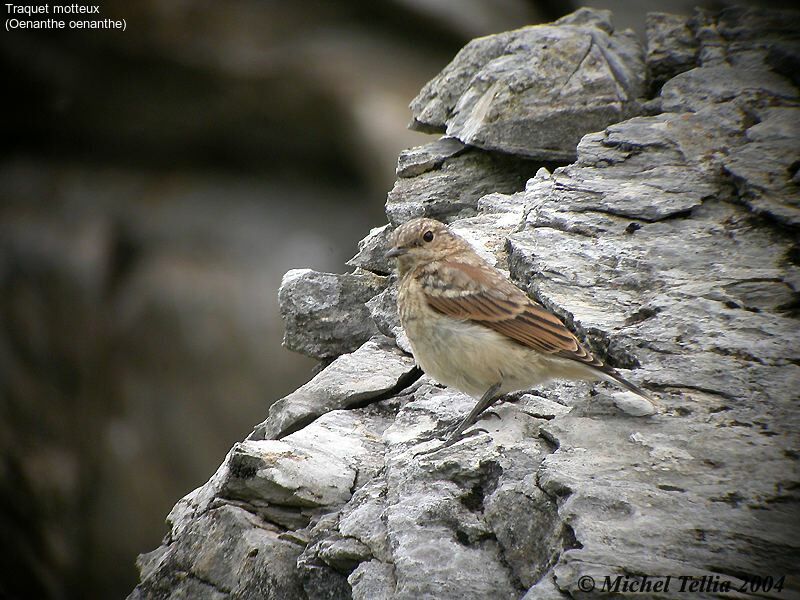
[{"x": 373, "y": 370}]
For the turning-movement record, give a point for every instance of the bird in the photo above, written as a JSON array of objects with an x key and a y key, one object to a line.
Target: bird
[{"x": 471, "y": 328}]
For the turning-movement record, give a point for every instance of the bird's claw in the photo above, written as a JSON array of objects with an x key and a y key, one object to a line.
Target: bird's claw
[{"x": 452, "y": 440}]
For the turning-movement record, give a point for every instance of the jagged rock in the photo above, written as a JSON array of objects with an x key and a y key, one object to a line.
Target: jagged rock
[
  {"x": 749, "y": 36},
  {"x": 651, "y": 284},
  {"x": 278, "y": 473},
  {"x": 670, "y": 247},
  {"x": 441, "y": 543},
  {"x": 200, "y": 566},
  {"x": 324, "y": 313},
  {"x": 764, "y": 167},
  {"x": 692, "y": 90},
  {"x": 453, "y": 183},
  {"x": 383, "y": 310},
  {"x": 376, "y": 368},
  {"x": 536, "y": 91},
  {"x": 372, "y": 250},
  {"x": 419, "y": 160},
  {"x": 671, "y": 47},
  {"x": 372, "y": 580}
]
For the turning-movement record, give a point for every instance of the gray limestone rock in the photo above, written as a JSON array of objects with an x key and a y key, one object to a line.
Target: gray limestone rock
[
  {"x": 719, "y": 84},
  {"x": 325, "y": 313},
  {"x": 372, "y": 580},
  {"x": 419, "y": 160},
  {"x": 383, "y": 310},
  {"x": 764, "y": 167},
  {"x": 443, "y": 545},
  {"x": 200, "y": 566},
  {"x": 376, "y": 368},
  {"x": 451, "y": 185},
  {"x": 672, "y": 47},
  {"x": 536, "y": 91},
  {"x": 751, "y": 35},
  {"x": 372, "y": 250},
  {"x": 669, "y": 246}
]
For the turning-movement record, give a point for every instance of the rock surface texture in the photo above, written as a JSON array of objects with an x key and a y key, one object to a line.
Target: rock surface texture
[{"x": 669, "y": 245}]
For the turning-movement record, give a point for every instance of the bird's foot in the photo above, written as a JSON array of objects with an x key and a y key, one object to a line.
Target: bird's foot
[
  {"x": 490, "y": 413},
  {"x": 452, "y": 439},
  {"x": 513, "y": 397},
  {"x": 458, "y": 434}
]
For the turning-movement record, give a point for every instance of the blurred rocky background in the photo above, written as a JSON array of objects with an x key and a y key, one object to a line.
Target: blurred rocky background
[{"x": 154, "y": 187}]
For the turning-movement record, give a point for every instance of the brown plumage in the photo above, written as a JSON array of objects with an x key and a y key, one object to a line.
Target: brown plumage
[
  {"x": 500, "y": 305},
  {"x": 473, "y": 329}
]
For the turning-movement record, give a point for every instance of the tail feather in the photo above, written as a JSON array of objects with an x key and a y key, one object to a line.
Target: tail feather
[{"x": 611, "y": 375}]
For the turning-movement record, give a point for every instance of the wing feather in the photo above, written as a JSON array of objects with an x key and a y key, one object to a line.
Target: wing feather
[{"x": 491, "y": 300}]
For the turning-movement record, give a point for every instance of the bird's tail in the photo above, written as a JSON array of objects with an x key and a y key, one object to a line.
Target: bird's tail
[{"x": 613, "y": 376}]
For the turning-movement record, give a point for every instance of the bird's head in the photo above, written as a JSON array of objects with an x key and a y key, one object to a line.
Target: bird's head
[{"x": 421, "y": 241}]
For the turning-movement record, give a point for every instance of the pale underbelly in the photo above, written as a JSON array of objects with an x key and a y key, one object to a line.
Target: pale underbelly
[{"x": 472, "y": 358}]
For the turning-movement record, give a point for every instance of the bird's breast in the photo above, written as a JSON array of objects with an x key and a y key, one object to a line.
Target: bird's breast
[{"x": 459, "y": 353}]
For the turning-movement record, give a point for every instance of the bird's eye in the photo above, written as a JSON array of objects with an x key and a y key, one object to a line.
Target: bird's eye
[{"x": 428, "y": 236}]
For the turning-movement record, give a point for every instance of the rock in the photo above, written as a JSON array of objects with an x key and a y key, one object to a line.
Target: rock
[
  {"x": 442, "y": 544},
  {"x": 671, "y": 47},
  {"x": 785, "y": 60},
  {"x": 285, "y": 480},
  {"x": 536, "y": 91},
  {"x": 692, "y": 90},
  {"x": 324, "y": 313},
  {"x": 254, "y": 480},
  {"x": 419, "y": 160},
  {"x": 531, "y": 539},
  {"x": 372, "y": 250},
  {"x": 764, "y": 165},
  {"x": 750, "y": 35},
  {"x": 275, "y": 472},
  {"x": 374, "y": 369},
  {"x": 200, "y": 566},
  {"x": 372, "y": 580},
  {"x": 678, "y": 320},
  {"x": 540, "y": 407},
  {"x": 669, "y": 246},
  {"x": 452, "y": 184},
  {"x": 383, "y": 310}
]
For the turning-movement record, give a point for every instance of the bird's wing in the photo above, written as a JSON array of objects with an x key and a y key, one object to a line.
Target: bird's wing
[{"x": 481, "y": 294}]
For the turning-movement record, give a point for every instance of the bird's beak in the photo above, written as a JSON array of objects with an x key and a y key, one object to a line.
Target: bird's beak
[{"x": 395, "y": 252}]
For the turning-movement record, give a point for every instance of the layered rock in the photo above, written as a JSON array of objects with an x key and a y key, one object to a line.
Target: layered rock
[
  {"x": 669, "y": 245},
  {"x": 535, "y": 91}
]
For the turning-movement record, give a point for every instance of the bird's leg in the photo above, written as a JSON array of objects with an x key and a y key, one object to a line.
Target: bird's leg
[
  {"x": 507, "y": 399},
  {"x": 485, "y": 402}
]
